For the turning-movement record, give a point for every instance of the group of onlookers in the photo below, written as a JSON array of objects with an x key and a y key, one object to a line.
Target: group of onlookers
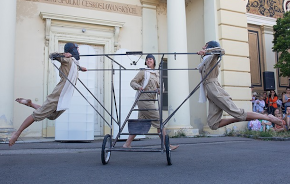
[{"x": 271, "y": 104}]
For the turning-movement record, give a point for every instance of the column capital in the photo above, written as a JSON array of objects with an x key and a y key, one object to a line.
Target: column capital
[
  {"x": 267, "y": 29},
  {"x": 150, "y": 2}
]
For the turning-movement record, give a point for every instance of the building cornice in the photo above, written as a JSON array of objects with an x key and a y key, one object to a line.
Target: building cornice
[
  {"x": 260, "y": 20},
  {"x": 150, "y": 2},
  {"x": 71, "y": 18}
]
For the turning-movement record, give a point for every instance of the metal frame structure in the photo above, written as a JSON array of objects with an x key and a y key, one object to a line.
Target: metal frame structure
[{"x": 108, "y": 143}]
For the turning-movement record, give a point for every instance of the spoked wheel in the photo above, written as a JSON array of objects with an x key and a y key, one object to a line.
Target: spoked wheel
[
  {"x": 105, "y": 156},
  {"x": 167, "y": 149}
]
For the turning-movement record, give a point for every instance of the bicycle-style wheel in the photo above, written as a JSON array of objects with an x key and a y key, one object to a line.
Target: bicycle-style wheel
[
  {"x": 167, "y": 150},
  {"x": 105, "y": 156}
]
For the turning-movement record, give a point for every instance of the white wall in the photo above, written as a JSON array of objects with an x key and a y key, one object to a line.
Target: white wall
[
  {"x": 7, "y": 37},
  {"x": 30, "y": 62}
]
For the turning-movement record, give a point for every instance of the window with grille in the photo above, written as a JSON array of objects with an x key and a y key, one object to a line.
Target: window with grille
[{"x": 165, "y": 81}]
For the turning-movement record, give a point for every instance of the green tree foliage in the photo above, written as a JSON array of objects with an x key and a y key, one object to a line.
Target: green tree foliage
[{"x": 282, "y": 44}]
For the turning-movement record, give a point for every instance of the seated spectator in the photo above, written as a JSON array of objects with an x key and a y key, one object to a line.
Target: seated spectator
[
  {"x": 265, "y": 98},
  {"x": 280, "y": 128},
  {"x": 254, "y": 125},
  {"x": 287, "y": 117},
  {"x": 254, "y": 98},
  {"x": 286, "y": 98},
  {"x": 279, "y": 103},
  {"x": 259, "y": 105},
  {"x": 279, "y": 111},
  {"x": 265, "y": 125},
  {"x": 272, "y": 102},
  {"x": 265, "y": 95},
  {"x": 283, "y": 104}
]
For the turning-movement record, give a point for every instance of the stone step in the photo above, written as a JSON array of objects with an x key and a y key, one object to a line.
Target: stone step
[{"x": 5, "y": 134}]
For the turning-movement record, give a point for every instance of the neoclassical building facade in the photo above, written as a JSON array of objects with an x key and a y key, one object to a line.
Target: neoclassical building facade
[{"x": 35, "y": 28}]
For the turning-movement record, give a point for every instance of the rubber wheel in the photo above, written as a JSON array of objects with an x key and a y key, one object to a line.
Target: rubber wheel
[
  {"x": 105, "y": 156},
  {"x": 167, "y": 150}
]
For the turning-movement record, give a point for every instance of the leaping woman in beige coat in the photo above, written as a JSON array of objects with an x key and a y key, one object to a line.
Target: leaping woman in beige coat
[
  {"x": 219, "y": 99},
  {"x": 58, "y": 101}
]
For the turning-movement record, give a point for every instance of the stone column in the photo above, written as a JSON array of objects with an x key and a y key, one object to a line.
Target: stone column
[
  {"x": 7, "y": 37},
  {"x": 178, "y": 83},
  {"x": 149, "y": 26},
  {"x": 210, "y": 21}
]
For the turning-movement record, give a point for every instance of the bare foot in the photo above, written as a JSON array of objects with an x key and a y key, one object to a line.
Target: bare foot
[
  {"x": 173, "y": 147},
  {"x": 126, "y": 146},
  {"x": 24, "y": 101},
  {"x": 275, "y": 120},
  {"x": 13, "y": 139}
]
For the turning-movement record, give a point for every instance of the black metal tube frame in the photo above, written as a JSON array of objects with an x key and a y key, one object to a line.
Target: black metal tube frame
[
  {"x": 81, "y": 93},
  {"x": 141, "y": 53},
  {"x": 162, "y": 123}
]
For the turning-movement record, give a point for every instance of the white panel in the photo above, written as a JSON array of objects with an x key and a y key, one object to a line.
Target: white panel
[
  {"x": 127, "y": 93},
  {"x": 81, "y": 117},
  {"x": 90, "y": 126},
  {"x": 63, "y": 118},
  {"x": 62, "y": 126},
  {"x": 77, "y": 117},
  {"x": 77, "y": 135},
  {"x": 77, "y": 108},
  {"x": 90, "y": 117},
  {"x": 90, "y": 135},
  {"x": 90, "y": 110},
  {"x": 61, "y": 135},
  {"x": 77, "y": 126}
]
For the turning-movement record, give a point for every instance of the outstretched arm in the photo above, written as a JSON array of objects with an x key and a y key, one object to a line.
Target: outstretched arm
[
  {"x": 58, "y": 56},
  {"x": 216, "y": 50},
  {"x": 202, "y": 52},
  {"x": 83, "y": 69}
]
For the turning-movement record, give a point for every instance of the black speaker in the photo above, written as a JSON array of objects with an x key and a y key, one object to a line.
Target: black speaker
[{"x": 269, "y": 81}]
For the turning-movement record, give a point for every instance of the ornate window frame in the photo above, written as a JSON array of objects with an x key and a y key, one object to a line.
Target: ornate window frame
[{"x": 285, "y": 3}]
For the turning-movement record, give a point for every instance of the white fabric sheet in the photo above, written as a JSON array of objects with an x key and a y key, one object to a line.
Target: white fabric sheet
[{"x": 68, "y": 89}]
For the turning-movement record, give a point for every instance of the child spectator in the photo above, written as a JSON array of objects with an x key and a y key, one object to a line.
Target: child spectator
[
  {"x": 254, "y": 125},
  {"x": 266, "y": 125},
  {"x": 280, "y": 128},
  {"x": 279, "y": 111},
  {"x": 287, "y": 117},
  {"x": 254, "y": 98},
  {"x": 259, "y": 105}
]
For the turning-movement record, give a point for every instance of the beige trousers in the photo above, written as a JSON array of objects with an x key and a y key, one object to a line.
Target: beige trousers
[
  {"x": 47, "y": 110},
  {"x": 219, "y": 101}
]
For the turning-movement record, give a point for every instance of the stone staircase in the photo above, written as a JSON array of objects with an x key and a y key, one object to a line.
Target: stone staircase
[{"x": 5, "y": 134}]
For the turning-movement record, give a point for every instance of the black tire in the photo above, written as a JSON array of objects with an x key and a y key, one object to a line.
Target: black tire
[
  {"x": 167, "y": 150},
  {"x": 105, "y": 156}
]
